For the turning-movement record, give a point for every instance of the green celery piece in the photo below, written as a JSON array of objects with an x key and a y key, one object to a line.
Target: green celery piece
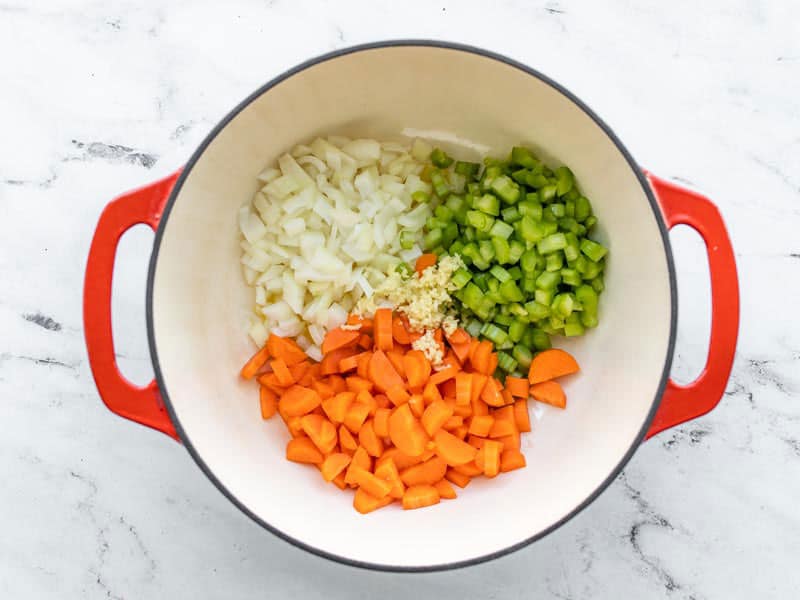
[
  {"x": 593, "y": 250},
  {"x": 523, "y": 157},
  {"x": 501, "y": 229},
  {"x": 440, "y": 159},
  {"x": 552, "y": 243},
  {"x": 502, "y": 250},
  {"x": 565, "y": 180},
  {"x": 506, "y": 189}
]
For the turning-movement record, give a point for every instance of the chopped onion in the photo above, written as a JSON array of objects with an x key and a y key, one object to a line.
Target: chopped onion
[{"x": 323, "y": 231}]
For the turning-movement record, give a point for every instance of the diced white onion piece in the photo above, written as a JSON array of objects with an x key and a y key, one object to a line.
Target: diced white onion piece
[
  {"x": 258, "y": 332},
  {"x": 323, "y": 231},
  {"x": 421, "y": 150}
]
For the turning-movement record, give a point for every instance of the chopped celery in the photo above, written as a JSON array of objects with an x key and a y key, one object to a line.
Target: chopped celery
[
  {"x": 460, "y": 278},
  {"x": 440, "y": 185},
  {"x": 404, "y": 270},
  {"x": 593, "y": 250},
  {"x": 506, "y": 362},
  {"x": 440, "y": 159},
  {"x": 552, "y": 243},
  {"x": 565, "y": 180},
  {"x": 407, "y": 239},
  {"x": 523, "y": 157},
  {"x": 522, "y": 355},
  {"x": 487, "y": 203},
  {"x": 515, "y": 330},
  {"x": 467, "y": 169},
  {"x": 515, "y": 272},
  {"x": 421, "y": 196},
  {"x": 502, "y": 250},
  {"x": 554, "y": 262},
  {"x": 506, "y": 189},
  {"x": 479, "y": 220},
  {"x": 492, "y": 332},
  {"x": 499, "y": 273},
  {"x": 501, "y": 229}
]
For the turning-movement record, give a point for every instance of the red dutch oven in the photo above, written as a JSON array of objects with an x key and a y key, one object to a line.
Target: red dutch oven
[{"x": 471, "y": 102}]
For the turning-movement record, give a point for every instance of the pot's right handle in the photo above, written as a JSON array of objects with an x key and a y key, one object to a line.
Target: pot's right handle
[{"x": 681, "y": 403}]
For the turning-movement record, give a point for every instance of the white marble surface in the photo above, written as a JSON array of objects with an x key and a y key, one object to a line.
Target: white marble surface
[{"x": 99, "y": 97}]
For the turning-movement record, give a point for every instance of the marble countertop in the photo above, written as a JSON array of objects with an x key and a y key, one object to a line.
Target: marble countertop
[{"x": 98, "y": 98}]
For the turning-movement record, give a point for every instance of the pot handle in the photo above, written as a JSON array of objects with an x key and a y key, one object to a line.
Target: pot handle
[
  {"x": 680, "y": 403},
  {"x": 141, "y": 404}
]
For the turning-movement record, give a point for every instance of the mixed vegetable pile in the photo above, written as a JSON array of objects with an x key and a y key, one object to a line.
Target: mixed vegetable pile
[{"x": 404, "y": 307}]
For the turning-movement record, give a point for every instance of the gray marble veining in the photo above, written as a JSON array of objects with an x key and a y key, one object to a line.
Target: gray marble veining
[{"x": 98, "y": 98}]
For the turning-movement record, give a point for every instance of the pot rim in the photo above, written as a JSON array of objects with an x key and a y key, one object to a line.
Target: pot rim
[{"x": 430, "y": 44}]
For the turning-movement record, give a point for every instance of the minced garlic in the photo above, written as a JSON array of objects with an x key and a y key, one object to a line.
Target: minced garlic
[
  {"x": 424, "y": 299},
  {"x": 428, "y": 345}
]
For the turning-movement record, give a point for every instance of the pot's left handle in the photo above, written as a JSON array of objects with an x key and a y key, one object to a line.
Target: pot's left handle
[{"x": 141, "y": 404}]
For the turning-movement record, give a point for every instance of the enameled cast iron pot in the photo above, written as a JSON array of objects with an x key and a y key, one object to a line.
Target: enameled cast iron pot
[{"x": 198, "y": 303}]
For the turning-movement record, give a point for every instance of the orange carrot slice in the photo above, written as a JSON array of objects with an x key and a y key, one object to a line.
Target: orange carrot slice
[
  {"x": 457, "y": 478},
  {"x": 303, "y": 450},
  {"x": 550, "y": 364},
  {"x": 333, "y": 465},
  {"x": 336, "y": 407},
  {"x": 510, "y": 460},
  {"x": 255, "y": 362},
  {"x": 418, "y": 496},
  {"x": 285, "y": 349},
  {"x": 451, "y": 449},
  {"x": 423, "y": 262},
  {"x": 406, "y": 432},
  {"x": 417, "y": 368},
  {"x": 268, "y": 401},
  {"x": 445, "y": 490},
  {"x": 321, "y": 431},
  {"x": 549, "y": 392},
  {"x": 382, "y": 373},
  {"x": 365, "y": 503},
  {"x": 383, "y": 329},
  {"x": 298, "y": 401},
  {"x": 521, "y": 415}
]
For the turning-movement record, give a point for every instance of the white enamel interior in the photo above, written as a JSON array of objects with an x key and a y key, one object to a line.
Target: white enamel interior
[{"x": 467, "y": 103}]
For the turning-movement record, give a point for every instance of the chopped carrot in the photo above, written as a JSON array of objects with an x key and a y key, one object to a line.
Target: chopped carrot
[
  {"x": 549, "y": 392},
  {"x": 435, "y": 415},
  {"x": 323, "y": 387},
  {"x": 521, "y": 416},
  {"x": 286, "y": 349},
  {"x": 461, "y": 431},
  {"x": 480, "y": 358},
  {"x": 443, "y": 375},
  {"x": 417, "y": 368},
  {"x": 478, "y": 381},
  {"x": 417, "y": 404},
  {"x": 469, "y": 469},
  {"x": 298, "y": 401},
  {"x": 381, "y": 422},
  {"x": 550, "y": 364},
  {"x": 295, "y": 427},
  {"x": 357, "y": 413},
  {"x": 299, "y": 370},
  {"x": 517, "y": 386},
  {"x": 445, "y": 490},
  {"x": 360, "y": 460},
  {"x": 451, "y": 449},
  {"x": 337, "y": 383},
  {"x": 321, "y": 431},
  {"x": 427, "y": 473},
  {"x": 510, "y": 460},
  {"x": 363, "y": 364},
  {"x": 504, "y": 422},
  {"x": 431, "y": 393},
  {"x": 507, "y": 397},
  {"x": 255, "y": 362},
  {"x": 401, "y": 460},
  {"x": 387, "y": 471},
  {"x": 400, "y": 331},
  {"x": 268, "y": 401},
  {"x": 330, "y": 362},
  {"x": 333, "y": 465},
  {"x": 479, "y": 407},
  {"x": 347, "y": 442},
  {"x": 406, "y": 431},
  {"x": 463, "y": 388},
  {"x": 492, "y": 363},
  {"x": 369, "y": 440},
  {"x": 364, "y": 324},
  {"x": 457, "y": 478},
  {"x": 453, "y": 422},
  {"x": 336, "y": 407},
  {"x": 365, "y": 503},
  {"x": 488, "y": 458},
  {"x": 398, "y": 395},
  {"x": 303, "y": 450},
  {"x": 462, "y": 410},
  {"x": 366, "y": 398},
  {"x": 339, "y": 338},
  {"x": 397, "y": 362},
  {"x": 350, "y": 362},
  {"x": 269, "y": 380},
  {"x": 364, "y": 341},
  {"x": 310, "y": 374},
  {"x": 339, "y": 481},
  {"x": 382, "y": 401},
  {"x": 491, "y": 393},
  {"x": 383, "y": 329},
  {"x": 382, "y": 373},
  {"x": 423, "y": 262},
  {"x": 418, "y": 496},
  {"x": 357, "y": 384},
  {"x": 510, "y": 442},
  {"x": 475, "y": 441},
  {"x": 374, "y": 486},
  {"x": 481, "y": 425},
  {"x": 461, "y": 351}
]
